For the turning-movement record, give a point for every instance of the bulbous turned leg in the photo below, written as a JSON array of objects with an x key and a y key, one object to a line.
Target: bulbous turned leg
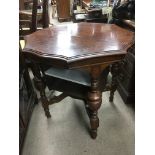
[
  {"x": 114, "y": 83},
  {"x": 94, "y": 121},
  {"x": 94, "y": 100},
  {"x": 87, "y": 109},
  {"x": 41, "y": 87}
]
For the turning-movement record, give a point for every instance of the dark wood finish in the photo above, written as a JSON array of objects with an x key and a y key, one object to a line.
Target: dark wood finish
[
  {"x": 30, "y": 18},
  {"x": 34, "y": 17},
  {"x": 27, "y": 100},
  {"x": 94, "y": 99},
  {"x": 63, "y": 10},
  {"x": 126, "y": 80},
  {"x": 130, "y": 23},
  {"x": 84, "y": 46},
  {"x": 45, "y": 15},
  {"x": 124, "y": 10},
  {"x": 114, "y": 72},
  {"x": 123, "y": 14},
  {"x": 102, "y": 19},
  {"x": 41, "y": 87},
  {"x": 71, "y": 45}
]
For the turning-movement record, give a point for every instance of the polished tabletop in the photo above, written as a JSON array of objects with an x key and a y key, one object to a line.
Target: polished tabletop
[{"x": 79, "y": 41}]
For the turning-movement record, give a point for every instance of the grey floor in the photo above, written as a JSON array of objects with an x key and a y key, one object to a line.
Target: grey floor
[{"x": 67, "y": 131}]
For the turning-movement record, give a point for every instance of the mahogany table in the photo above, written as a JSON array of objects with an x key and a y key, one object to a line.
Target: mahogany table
[{"x": 90, "y": 46}]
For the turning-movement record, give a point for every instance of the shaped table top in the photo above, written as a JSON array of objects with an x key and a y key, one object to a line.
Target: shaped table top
[{"x": 79, "y": 41}]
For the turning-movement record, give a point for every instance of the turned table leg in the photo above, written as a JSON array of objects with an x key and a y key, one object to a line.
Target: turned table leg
[
  {"x": 41, "y": 87},
  {"x": 94, "y": 100},
  {"x": 114, "y": 83}
]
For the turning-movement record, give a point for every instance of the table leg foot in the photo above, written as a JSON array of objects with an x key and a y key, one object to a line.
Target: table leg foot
[
  {"x": 45, "y": 104},
  {"x": 94, "y": 122},
  {"x": 93, "y": 134},
  {"x": 47, "y": 113},
  {"x": 94, "y": 100}
]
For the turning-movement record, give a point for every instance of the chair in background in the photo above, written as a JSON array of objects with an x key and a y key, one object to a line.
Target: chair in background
[
  {"x": 27, "y": 95},
  {"x": 33, "y": 15}
]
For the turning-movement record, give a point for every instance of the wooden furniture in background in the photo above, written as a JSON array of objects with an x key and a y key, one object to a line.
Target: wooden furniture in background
[
  {"x": 79, "y": 55},
  {"x": 63, "y": 10},
  {"x": 27, "y": 95},
  {"x": 32, "y": 19},
  {"x": 124, "y": 16},
  {"x": 126, "y": 82},
  {"x": 27, "y": 99}
]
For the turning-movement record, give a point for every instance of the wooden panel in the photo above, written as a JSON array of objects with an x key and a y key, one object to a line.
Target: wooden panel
[
  {"x": 27, "y": 100},
  {"x": 63, "y": 10}
]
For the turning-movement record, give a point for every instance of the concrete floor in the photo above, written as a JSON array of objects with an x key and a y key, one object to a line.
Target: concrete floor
[{"x": 67, "y": 131}]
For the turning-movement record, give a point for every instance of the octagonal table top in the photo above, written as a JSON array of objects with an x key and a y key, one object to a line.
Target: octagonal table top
[{"x": 78, "y": 41}]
